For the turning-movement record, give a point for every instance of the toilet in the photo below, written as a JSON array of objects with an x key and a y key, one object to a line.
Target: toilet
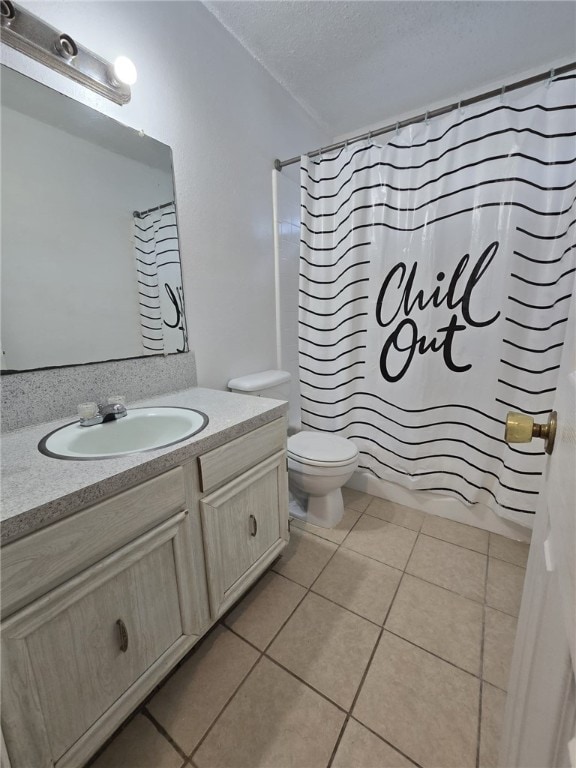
[{"x": 319, "y": 463}]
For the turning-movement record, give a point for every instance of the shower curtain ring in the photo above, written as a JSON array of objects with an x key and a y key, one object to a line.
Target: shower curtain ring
[
  {"x": 502, "y": 92},
  {"x": 397, "y": 129},
  {"x": 550, "y": 78},
  {"x": 460, "y": 110},
  {"x": 426, "y": 118}
]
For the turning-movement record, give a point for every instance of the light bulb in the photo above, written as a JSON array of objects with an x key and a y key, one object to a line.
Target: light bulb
[{"x": 125, "y": 71}]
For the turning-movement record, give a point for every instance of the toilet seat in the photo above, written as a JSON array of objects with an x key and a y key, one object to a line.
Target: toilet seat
[{"x": 321, "y": 449}]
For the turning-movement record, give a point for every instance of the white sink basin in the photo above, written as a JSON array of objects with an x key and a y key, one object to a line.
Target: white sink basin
[{"x": 143, "y": 429}]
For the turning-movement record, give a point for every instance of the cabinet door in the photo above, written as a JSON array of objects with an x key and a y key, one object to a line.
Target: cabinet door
[
  {"x": 245, "y": 526},
  {"x": 70, "y": 656}
]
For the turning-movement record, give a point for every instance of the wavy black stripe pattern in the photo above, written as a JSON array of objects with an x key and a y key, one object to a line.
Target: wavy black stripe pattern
[
  {"x": 466, "y": 223},
  {"x": 159, "y": 281}
]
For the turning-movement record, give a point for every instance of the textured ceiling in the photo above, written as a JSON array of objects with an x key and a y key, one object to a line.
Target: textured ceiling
[{"x": 352, "y": 64}]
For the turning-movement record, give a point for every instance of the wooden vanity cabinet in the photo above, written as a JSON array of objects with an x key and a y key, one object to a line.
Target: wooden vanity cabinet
[
  {"x": 82, "y": 647},
  {"x": 244, "y": 525},
  {"x": 245, "y": 515},
  {"x": 98, "y": 607}
]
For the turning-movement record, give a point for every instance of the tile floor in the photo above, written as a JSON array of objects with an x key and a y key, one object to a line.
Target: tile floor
[{"x": 384, "y": 643}]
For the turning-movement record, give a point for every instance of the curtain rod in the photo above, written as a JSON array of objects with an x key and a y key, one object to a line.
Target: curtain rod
[
  {"x": 140, "y": 214},
  {"x": 549, "y": 74}
]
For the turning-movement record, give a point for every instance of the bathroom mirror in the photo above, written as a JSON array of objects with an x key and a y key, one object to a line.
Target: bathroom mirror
[{"x": 90, "y": 253}]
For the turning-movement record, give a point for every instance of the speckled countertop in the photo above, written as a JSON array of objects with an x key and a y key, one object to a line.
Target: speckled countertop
[{"x": 38, "y": 490}]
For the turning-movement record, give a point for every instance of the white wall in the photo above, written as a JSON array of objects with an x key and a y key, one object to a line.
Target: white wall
[
  {"x": 69, "y": 294},
  {"x": 392, "y": 118},
  {"x": 226, "y": 119}
]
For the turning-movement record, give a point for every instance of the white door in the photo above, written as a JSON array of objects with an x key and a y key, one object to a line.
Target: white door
[{"x": 540, "y": 721}]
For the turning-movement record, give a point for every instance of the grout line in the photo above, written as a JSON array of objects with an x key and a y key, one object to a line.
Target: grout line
[
  {"x": 502, "y": 690},
  {"x": 499, "y": 610},
  {"x": 451, "y": 591},
  {"x": 263, "y": 654},
  {"x": 224, "y": 708},
  {"x": 357, "y": 552},
  {"x": 323, "y": 567},
  {"x": 163, "y": 732},
  {"x": 427, "y": 650},
  {"x": 502, "y": 560},
  {"x": 394, "y": 522},
  {"x": 368, "y": 665},
  {"x": 411, "y": 759},
  {"x": 306, "y": 683},
  {"x": 451, "y": 544},
  {"x": 292, "y": 612},
  {"x": 462, "y": 546},
  {"x": 248, "y": 642},
  {"x": 300, "y": 524},
  {"x": 345, "y": 608}
]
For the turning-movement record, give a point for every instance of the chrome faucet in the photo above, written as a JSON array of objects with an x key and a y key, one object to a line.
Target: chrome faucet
[{"x": 94, "y": 413}]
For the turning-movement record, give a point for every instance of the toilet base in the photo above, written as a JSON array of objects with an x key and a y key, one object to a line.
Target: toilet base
[{"x": 326, "y": 511}]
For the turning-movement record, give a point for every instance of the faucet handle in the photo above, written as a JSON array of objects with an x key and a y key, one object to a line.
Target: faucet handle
[
  {"x": 116, "y": 400},
  {"x": 87, "y": 410}
]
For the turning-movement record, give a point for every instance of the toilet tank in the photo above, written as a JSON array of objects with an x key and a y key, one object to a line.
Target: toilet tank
[{"x": 274, "y": 384}]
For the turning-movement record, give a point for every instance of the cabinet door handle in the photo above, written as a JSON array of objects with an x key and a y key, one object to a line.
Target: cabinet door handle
[
  {"x": 253, "y": 525},
  {"x": 123, "y": 635}
]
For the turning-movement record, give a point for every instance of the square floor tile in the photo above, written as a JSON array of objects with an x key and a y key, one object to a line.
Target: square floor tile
[
  {"x": 439, "y": 621},
  {"x": 139, "y": 745},
  {"x": 449, "y": 566},
  {"x": 190, "y": 700},
  {"x": 326, "y": 646},
  {"x": 263, "y": 610},
  {"x": 493, "y": 705},
  {"x": 499, "y": 636},
  {"x": 273, "y": 721},
  {"x": 456, "y": 533},
  {"x": 396, "y": 513},
  {"x": 386, "y": 542},
  {"x": 356, "y": 499},
  {"x": 336, "y": 534},
  {"x": 359, "y": 583},
  {"x": 360, "y": 748},
  {"x": 420, "y": 704},
  {"x": 515, "y": 552},
  {"x": 304, "y": 557},
  {"x": 505, "y": 585}
]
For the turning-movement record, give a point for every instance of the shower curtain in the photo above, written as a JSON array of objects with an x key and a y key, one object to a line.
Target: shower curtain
[
  {"x": 436, "y": 274},
  {"x": 160, "y": 294}
]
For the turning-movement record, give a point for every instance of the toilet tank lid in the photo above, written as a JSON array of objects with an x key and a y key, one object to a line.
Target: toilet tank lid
[{"x": 256, "y": 381}]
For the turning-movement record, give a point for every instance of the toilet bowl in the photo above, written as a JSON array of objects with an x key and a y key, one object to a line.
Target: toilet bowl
[{"x": 319, "y": 463}]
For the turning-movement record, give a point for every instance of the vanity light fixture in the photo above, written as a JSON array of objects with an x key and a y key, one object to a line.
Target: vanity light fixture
[
  {"x": 125, "y": 71},
  {"x": 30, "y": 35}
]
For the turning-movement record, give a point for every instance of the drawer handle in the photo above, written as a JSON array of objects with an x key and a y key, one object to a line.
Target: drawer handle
[
  {"x": 253, "y": 525},
  {"x": 123, "y": 634}
]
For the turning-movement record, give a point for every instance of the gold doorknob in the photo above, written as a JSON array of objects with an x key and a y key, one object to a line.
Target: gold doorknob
[{"x": 521, "y": 428}]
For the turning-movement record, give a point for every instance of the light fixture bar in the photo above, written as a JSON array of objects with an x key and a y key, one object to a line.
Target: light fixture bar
[{"x": 32, "y": 36}]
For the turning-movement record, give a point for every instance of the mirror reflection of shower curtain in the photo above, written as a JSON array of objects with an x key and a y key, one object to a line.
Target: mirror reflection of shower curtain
[
  {"x": 160, "y": 294},
  {"x": 436, "y": 273}
]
